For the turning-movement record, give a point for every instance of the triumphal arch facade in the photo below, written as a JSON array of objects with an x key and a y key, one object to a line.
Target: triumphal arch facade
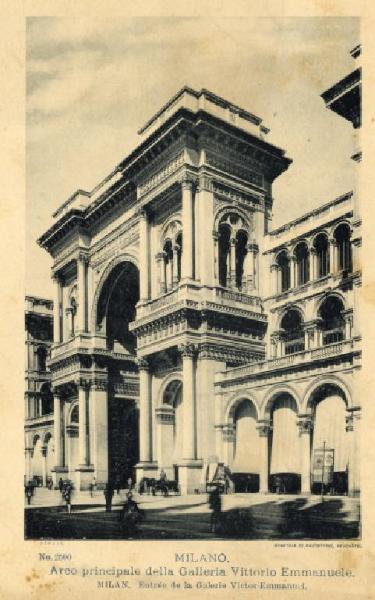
[{"x": 172, "y": 338}]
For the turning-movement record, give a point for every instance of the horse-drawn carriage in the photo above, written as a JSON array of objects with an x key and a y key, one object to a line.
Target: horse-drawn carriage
[{"x": 153, "y": 486}]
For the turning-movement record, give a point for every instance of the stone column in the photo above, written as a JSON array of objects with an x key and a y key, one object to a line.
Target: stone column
[
  {"x": 215, "y": 237},
  {"x": 176, "y": 250},
  {"x": 348, "y": 316},
  {"x": 144, "y": 254},
  {"x": 333, "y": 262},
  {"x": 292, "y": 267},
  {"x": 145, "y": 412},
  {"x": 313, "y": 264},
  {"x": 57, "y": 308},
  {"x": 275, "y": 279},
  {"x": 356, "y": 250},
  {"x": 28, "y": 473},
  {"x": 352, "y": 427},
  {"x": 98, "y": 419},
  {"x": 229, "y": 437},
  {"x": 82, "y": 263},
  {"x": 43, "y": 452},
  {"x": 58, "y": 429},
  {"x": 188, "y": 395},
  {"x": 232, "y": 254},
  {"x": 83, "y": 390},
  {"x": 263, "y": 431},
  {"x": 161, "y": 272},
  {"x": 187, "y": 230},
  {"x": 305, "y": 427},
  {"x": 250, "y": 266}
]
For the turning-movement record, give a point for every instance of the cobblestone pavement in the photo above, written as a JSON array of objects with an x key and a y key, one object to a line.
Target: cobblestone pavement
[{"x": 246, "y": 516}]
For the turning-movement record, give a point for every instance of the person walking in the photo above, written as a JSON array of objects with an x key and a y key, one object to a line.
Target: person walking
[
  {"x": 130, "y": 484},
  {"x": 215, "y": 505},
  {"x": 68, "y": 498},
  {"x": 108, "y": 495},
  {"x": 130, "y": 516},
  {"x": 92, "y": 486},
  {"x": 61, "y": 485},
  {"x": 29, "y": 493}
]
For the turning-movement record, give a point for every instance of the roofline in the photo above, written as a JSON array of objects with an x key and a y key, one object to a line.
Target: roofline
[{"x": 314, "y": 212}]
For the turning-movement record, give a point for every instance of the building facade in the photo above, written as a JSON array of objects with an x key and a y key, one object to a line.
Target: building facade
[
  {"x": 39, "y": 442},
  {"x": 186, "y": 331}
]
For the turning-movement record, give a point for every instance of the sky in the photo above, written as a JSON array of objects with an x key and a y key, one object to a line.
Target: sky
[{"x": 91, "y": 84}]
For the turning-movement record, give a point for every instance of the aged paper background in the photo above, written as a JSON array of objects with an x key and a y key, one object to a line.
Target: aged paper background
[{"x": 22, "y": 573}]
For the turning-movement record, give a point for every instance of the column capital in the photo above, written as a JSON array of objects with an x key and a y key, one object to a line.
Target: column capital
[
  {"x": 313, "y": 250},
  {"x": 82, "y": 383},
  {"x": 159, "y": 256},
  {"x": 187, "y": 350},
  {"x": 83, "y": 257},
  {"x": 56, "y": 277},
  {"x": 187, "y": 183},
  {"x": 305, "y": 424},
  {"x": 143, "y": 363},
  {"x": 263, "y": 428},
  {"x": 215, "y": 235},
  {"x": 333, "y": 241},
  {"x": 43, "y": 451},
  {"x": 253, "y": 247},
  {"x": 228, "y": 432},
  {"x": 205, "y": 183}
]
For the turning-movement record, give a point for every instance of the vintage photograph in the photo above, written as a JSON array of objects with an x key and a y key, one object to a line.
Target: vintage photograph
[{"x": 193, "y": 239}]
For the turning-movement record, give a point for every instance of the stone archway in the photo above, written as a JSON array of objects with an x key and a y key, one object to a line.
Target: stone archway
[
  {"x": 284, "y": 473},
  {"x": 246, "y": 464}
]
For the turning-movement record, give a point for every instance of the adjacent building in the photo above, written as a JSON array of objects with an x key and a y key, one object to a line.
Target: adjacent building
[{"x": 187, "y": 331}]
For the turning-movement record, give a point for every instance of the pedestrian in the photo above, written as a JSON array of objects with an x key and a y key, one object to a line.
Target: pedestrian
[
  {"x": 130, "y": 516},
  {"x": 130, "y": 484},
  {"x": 61, "y": 485},
  {"x": 118, "y": 484},
  {"x": 108, "y": 495},
  {"x": 92, "y": 486},
  {"x": 215, "y": 505},
  {"x": 29, "y": 493},
  {"x": 68, "y": 498}
]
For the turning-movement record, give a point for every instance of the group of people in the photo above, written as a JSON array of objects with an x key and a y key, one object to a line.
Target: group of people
[{"x": 66, "y": 490}]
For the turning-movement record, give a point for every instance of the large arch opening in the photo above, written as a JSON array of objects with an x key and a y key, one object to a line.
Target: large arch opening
[
  {"x": 284, "y": 461},
  {"x": 328, "y": 405},
  {"x": 246, "y": 463},
  {"x": 116, "y": 307},
  {"x": 123, "y": 439}
]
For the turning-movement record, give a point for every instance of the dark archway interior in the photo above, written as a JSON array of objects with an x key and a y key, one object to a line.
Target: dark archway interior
[
  {"x": 47, "y": 400},
  {"x": 116, "y": 307},
  {"x": 333, "y": 323},
  {"x": 292, "y": 325},
  {"x": 224, "y": 243},
  {"x": 322, "y": 253}
]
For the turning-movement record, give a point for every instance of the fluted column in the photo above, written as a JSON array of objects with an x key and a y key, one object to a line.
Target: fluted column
[
  {"x": 58, "y": 429},
  {"x": 333, "y": 262},
  {"x": 145, "y": 412},
  {"x": 352, "y": 428},
  {"x": 292, "y": 267},
  {"x": 189, "y": 401},
  {"x": 305, "y": 427},
  {"x": 232, "y": 263},
  {"x": 57, "y": 308},
  {"x": 82, "y": 263},
  {"x": 161, "y": 272},
  {"x": 264, "y": 431},
  {"x": 144, "y": 247},
  {"x": 188, "y": 230},
  {"x": 274, "y": 278},
  {"x": 83, "y": 452},
  {"x": 215, "y": 237},
  {"x": 313, "y": 264}
]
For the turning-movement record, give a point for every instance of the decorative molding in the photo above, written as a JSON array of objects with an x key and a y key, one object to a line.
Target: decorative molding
[{"x": 161, "y": 175}]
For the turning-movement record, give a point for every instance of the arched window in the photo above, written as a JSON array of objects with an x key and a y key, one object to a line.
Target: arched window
[
  {"x": 74, "y": 415},
  {"x": 241, "y": 252},
  {"x": 282, "y": 261},
  {"x": 168, "y": 264},
  {"x": 47, "y": 400},
  {"x": 344, "y": 257},
  {"x": 178, "y": 250},
  {"x": 42, "y": 358},
  {"x": 302, "y": 263},
  {"x": 224, "y": 247},
  {"x": 333, "y": 323},
  {"x": 293, "y": 333},
  {"x": 322, "y": 255}
]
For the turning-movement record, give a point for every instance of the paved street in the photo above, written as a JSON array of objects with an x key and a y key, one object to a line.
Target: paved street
[{"x": 245, "y": 516}]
